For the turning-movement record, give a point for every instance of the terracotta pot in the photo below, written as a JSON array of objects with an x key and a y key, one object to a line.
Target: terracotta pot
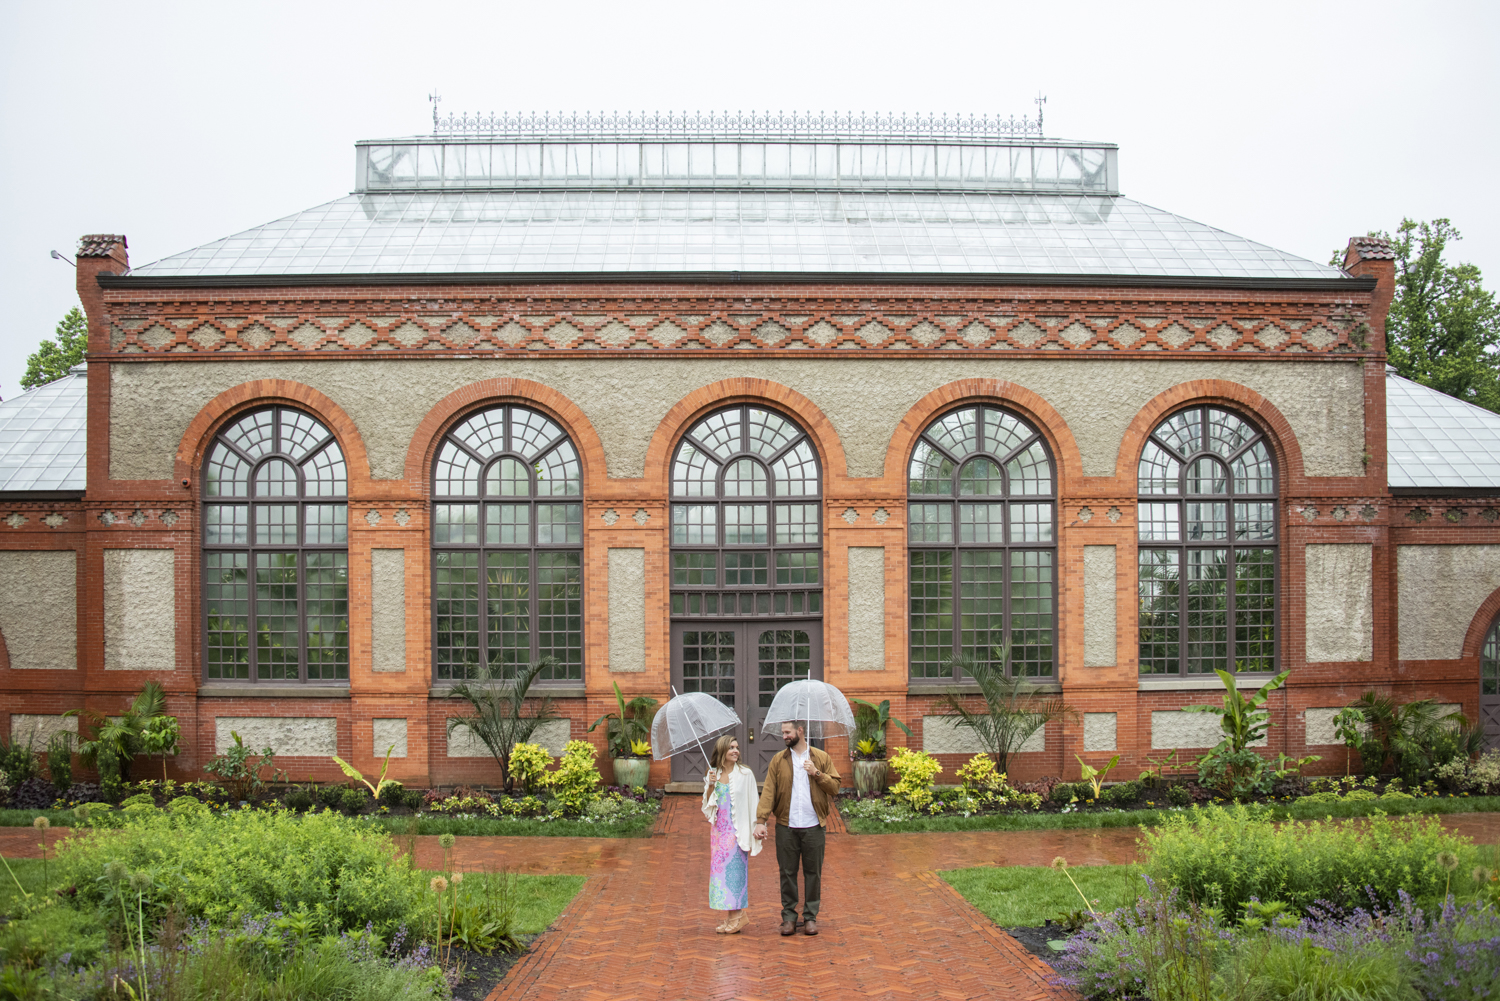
[
  {"x": 632, "y": 772},
  {"x": 869, "y": 776}
]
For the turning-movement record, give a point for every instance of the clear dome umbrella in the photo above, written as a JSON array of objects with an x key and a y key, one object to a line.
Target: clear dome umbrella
[
  {"x": 816, "y": 704},
  {"x": 687, "y": 721}
]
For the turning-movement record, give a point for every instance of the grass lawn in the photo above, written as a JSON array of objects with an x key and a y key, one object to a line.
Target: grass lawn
[
  {"x": 632, "y": 827},
  {"x": 1026, "y": 896},
  {"x": 1143, "y": 818}
]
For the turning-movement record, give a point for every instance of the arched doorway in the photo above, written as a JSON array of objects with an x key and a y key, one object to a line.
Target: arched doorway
[
  {"x": 1489, "y": 685},
  {"x": 746, "y": 568}
]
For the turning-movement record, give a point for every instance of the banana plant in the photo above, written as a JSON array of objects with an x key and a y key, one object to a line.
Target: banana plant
[
  {"x": 1095, "y": 776},
  {"x": 870, "y": 722},
  {"x": 354, "y": 773}
]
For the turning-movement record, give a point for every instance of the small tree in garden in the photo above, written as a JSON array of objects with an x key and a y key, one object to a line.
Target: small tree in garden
[
  {"x": 160, "y": 736},
  {"x": 1231, "y": 767},
  {"x": 498, "y": 719},
  {"x": 1013, "y": 710}
]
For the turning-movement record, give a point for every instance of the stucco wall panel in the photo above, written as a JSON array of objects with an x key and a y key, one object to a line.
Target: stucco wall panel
[
  {"x": 626, "y": 398},
  {"x": 1175, "y": 728},
  {"x": 941, "y": 735},
  {"x": 1319, "y": 728},
  {"x": 309, "y": 736},
  {"x": 35, "y": 729},
  {"x": 39, "y": 609},
  {"x": 1098, "y": 606},
  {"x": 140, "y": 610},
  {"x": 389, "y": 732},
  {"x": 1438, "y": 592},
  {"x": 1340, "y": 602},
  {"x": 388, "y": 611},
  {"x": 867, "y": 608},
  {"x": 1100, "y": 731},
  {"x": 627, "y": 610},
  {"x": 553, "y": 735}
]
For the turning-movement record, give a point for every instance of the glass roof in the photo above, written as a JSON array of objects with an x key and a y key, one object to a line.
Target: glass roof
[
  {"x": 645, "y": 231},
  {"x": 44, "y": 436},
  {"x": 1437, "y": 440}
]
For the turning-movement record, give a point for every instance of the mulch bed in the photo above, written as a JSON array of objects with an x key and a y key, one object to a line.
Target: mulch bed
[
  {"x": 482, "y": 972},
  {"x": 1034, "y": 940}
]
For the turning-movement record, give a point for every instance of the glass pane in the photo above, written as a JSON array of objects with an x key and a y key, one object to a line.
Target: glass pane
[
  {"x": 559, "y": 473},
  {"x": 508, "y": 478},
  {"x": 694, "y": 525},
  {"x": 708, "y": 664},
  {"x": 980, "y": 478},
  {"x": 930, "y": 586},
  {"x": 1207, "y": 522},
  {"x": 559, "y": 614},
  {"x": 504, "y": 524},
  {"x": 530, "y": 432},
  {"x": 559, "y": 524},
  {"x": 694, "y": 570},
  {"x": 720, "y": 433},
  {"x": 1030, "y": 523},
  {"x": 275, "y": 524},
  {"x": 745, "y": 524},
  {"x": 1159, "y": 471},
  {"x": 327, "y": 525},
  {"x": 981, "y": 523},
  {"x": 1183, "y": 432},
  {"x": 1255, "y": 610},
  {"x": 508, "y": 612},
  {"x": 745, "y": 569},
  {"x": 1030, "y": 472},
  {"x": 455, "y": 524},
  {"x": 328, "y": 616},
  {"x": 1158, "y": 523},
  {"x": 797, "y": 568},
  {"x": 277, "y": 478},
  {"x": 1207, "y": 476},
  {"x": 1031, "y": 614},
  {"x": 1255, "y": 521},
  {"x": 783, "y": 656},
  {"x": 958, "y": 432},
  {"x": 300, "y": 433},
  {"x": 1207, "y": 577},
  {"x": 745, "y": 478},
  {"x": 1003, "y": 432},
  {"x": 1227, "y": 434},
  {"x": 228, "y": 474},
  {"x": 457, "y": 473},
  {"x": 252, "y": 434},
  {"x": 226, "y": 600},
  {"x": 484, "y": 432},
  {"x": 981, "y": 605},
  {"x": 226, "y": 524},
  {"x": 1158, "y": 617},
  {"x": 797, "y": 524},
  {"x": 277, "y": 633},
  {"x": 1253, "y": 473},
  {"x": 693, "y": 473},
  {"x": 1489, "y": 663},
  {"x": 770, "y": 433},
  {"x": 931, "y": 471},
  {"x": 930, "y": 522},
  {"x": 796, "y": 472},
  {"x": 455, "y": 600},
  {"x": 326, "y": 473}
]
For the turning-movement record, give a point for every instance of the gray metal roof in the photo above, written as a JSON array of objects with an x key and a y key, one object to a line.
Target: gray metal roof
[
  {"x": 1436, "y": 440},
  {"x": 44, "y": 436}
]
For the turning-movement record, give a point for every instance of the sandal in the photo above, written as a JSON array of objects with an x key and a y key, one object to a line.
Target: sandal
[
  {"x": 738, "y": 924},
  {"x": 722, "y": 927}
]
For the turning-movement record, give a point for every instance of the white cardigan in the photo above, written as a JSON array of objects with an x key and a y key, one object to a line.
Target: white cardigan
[{"x": 743, "y": 797}]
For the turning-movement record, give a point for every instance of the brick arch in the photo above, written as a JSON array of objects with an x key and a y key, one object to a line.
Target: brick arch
[
  {"x": 460, "y": 403},
  {"x": 1232, "y": 396},
  {"x": 728, "y": 392},
  {"x": 1479, "y": 627},
  {"x": 4, "y": 654},
  {"x": 1033, "y": 408},
  {"x": 230, "y": 404}
]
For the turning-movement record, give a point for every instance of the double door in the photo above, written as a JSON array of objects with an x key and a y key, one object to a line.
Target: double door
[{"x": 742, "y": 664}]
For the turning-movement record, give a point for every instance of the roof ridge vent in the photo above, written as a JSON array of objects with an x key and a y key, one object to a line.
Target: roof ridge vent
[{"x": 739, "y": 125}]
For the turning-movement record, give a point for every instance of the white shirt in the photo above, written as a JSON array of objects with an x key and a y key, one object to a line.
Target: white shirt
[{"x": 801, "y": 813}]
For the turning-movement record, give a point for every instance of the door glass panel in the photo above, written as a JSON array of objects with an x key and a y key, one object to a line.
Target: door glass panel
[
  {"x": 708, "y": 663},
  {"x": 785, "y": 655}
]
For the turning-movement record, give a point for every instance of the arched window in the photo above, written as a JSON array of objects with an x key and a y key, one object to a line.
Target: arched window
[
  {"x": 1489, "y": 685},
  {"x": 746, "y": 518},
  {"x": 276, "y": 551},
  {"x": 1207, "y": 557},
  {"x": 983, "y": 544},
  {"x": 507, "y": 539}
]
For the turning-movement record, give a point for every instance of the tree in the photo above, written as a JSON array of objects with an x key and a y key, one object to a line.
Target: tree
[
  {"x": 1444, "y": 326},
  {"x": 497, "y": 720},
  {"x": 53, "y": 358},
  {"x": 1013, "y": 710}
]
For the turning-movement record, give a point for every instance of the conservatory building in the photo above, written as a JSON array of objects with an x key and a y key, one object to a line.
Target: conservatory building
[{"x": 716, "y": 403}]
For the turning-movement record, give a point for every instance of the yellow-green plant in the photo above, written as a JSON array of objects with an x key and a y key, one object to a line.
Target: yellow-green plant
[
  {"x": 916, "y": 770},
  {"x": 528, "y": 765},
  {"x": 1095, "y": 776},
  {"x": 575, "y": 782},
  {"x": 640, "y": 748},
  {"x": 867, "y": 747},
  {"x": 980, "y": 774},
  {"x": 354, "y": 773}
]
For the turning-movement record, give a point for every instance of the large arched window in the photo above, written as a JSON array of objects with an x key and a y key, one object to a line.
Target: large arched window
[
  {"x": 981, "y": 529},
  {"x": 1207, "y": 557},
  {"x": 746, "y": 518},
  {"x": 1489, "y": 685},
  {"x": 507, "y": 539},
  {"x": 276, "y": 551}
]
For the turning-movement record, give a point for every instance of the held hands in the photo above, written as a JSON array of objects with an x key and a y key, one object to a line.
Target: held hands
[{"x": 760, "y": 832}]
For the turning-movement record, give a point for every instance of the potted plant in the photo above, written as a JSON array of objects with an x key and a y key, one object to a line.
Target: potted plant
[
  {"x": 869, "y": 744},
  {"x": 627, "y": 732}
]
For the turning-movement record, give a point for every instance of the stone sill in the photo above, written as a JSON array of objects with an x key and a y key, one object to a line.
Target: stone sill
[
  {"x": 537, "y": 691},
  {"x": 1198, "y": 684},
  {"x": 1048, "y": 688},
  {"x": 274, "y": 692}
]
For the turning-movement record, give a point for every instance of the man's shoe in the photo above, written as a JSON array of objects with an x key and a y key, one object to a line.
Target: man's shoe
[
  {"x": 810, "y": 927},
  {"x": 789, "y": 926}
]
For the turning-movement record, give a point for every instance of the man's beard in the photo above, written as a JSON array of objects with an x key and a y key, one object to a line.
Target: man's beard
[{"x": 792, "y": 740}]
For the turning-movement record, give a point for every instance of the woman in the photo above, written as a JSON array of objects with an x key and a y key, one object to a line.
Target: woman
[{"x": 729, "y": 799}]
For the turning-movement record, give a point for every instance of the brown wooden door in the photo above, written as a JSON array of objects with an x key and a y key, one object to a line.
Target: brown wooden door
[{"x": 742, "y": 664}]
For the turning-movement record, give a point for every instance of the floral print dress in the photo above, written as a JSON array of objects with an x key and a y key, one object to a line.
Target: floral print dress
[{"x": 729, "y": 864}]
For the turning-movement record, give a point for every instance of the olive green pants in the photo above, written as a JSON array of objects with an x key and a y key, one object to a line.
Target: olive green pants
[{"x": 804, "y": 845}]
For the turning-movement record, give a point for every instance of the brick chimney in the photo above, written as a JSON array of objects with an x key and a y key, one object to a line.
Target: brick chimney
[
  {"x": 99, "y": 254},
  {"x": 1372, "y": 255}
]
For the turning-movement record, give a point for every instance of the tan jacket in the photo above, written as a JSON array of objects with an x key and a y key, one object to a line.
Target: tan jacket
[{"x": 776, "y": 797}]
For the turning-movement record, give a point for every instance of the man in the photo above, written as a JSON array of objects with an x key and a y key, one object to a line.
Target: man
[{"x": 801, "y": 783}]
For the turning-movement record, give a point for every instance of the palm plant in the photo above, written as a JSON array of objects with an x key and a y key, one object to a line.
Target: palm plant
[
  {"x": 121, "y": 738},
  {"x": 1415, "y": 738},
  {"x": 1013, "y": 710},
  {"x": 498, "y": 718}
]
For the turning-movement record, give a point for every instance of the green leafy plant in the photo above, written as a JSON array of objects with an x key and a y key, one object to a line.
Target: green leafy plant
[
  {"x": 391, "y": 794},
  {"x": 870, "y": 722},
  {"x": 1095, "y": 776},
  {"x": 123, "y": 737},
  {"x": 356, "y": 775},
  {"x": 242, "y": 772},
  {"x": 17, "y": 761},
  {"x": 1231, "y": 767},
  {"x": 1013, "y": 710},
  {"x": 915, "y": 771},
  {"x": 160, "y": 736},
  {"x": 1414, "y": 739},
  {"x": 1350, "y": 728},
  {"x": 1286, "y": 766},
  {"x": 331, "y": 796},
  {"x": 60, "y": 760},
  {"x": 575, "y": 782},
  {"x": 528, "y": 765},
  {"x": 640, "y": 748},
  {"x": 354, "y": 800},
  {"x": 1156, "y": 768},
  {"x": 629, "y": 724},
  {"x": 53, "y": 359},
  {"x": 298, "y": 798},
  {"x": 498, "y": 717}
]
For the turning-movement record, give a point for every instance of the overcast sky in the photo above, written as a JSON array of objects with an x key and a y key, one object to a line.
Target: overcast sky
[{"x": 1296, "y": 124}]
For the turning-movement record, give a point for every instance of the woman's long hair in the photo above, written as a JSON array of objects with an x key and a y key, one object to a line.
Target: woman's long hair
[{"x": 721, "y": 750}]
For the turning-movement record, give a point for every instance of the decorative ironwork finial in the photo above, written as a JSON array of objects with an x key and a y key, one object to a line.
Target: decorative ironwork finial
[
  {"x": 738, "y": 125},
  {"x": 434, "y": 97},
  {"x": 1041, "y": 99}
]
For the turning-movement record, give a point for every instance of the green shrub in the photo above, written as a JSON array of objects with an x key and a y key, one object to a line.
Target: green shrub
[
  {"x": 187, "y": 804},
  {"x": 576, "y": 781},
  {"x": 331, "y": 796},
  {"x": 60, "y": 761},
  {"x": 1063, "y": 792},
  {"x": 390, "y": 795},
  {"x": 1123, "y": 793},
  {"x": 298, "y": 798},
  {"x": 354, "y": 800},
  {"x": 411, "y": 799},
  {"x": 916, "y": 769},
  {"x": 1178, "y": 794},
  {"x": 1223, "y": 857},
  {"x": 528, "y": 766},
  {"x": 17, "y": 762},
  {"x": 111, "y": 781},
  {"x": 251, "y": 862}
]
